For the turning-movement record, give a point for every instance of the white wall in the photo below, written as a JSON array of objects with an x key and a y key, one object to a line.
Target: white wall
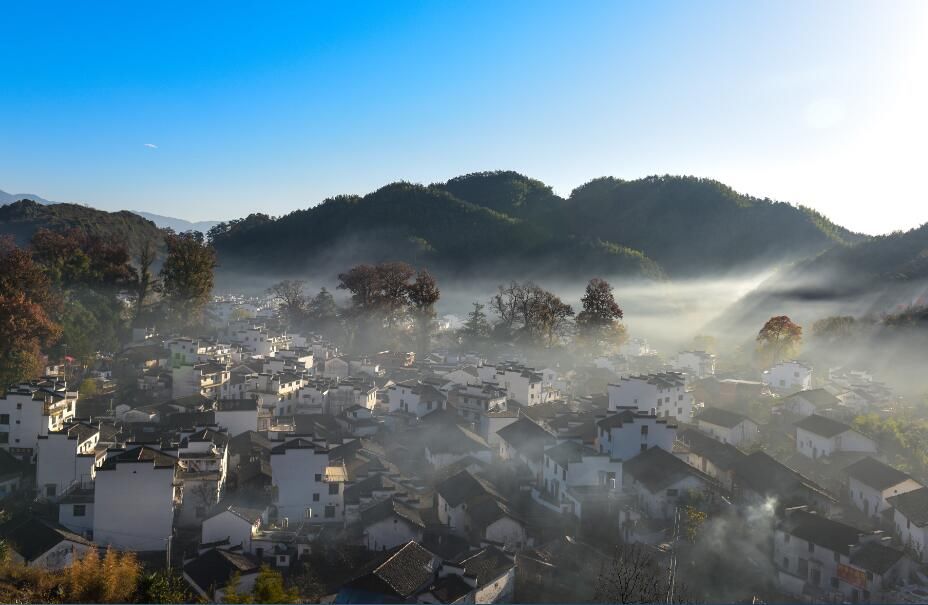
[
  {"x": 82, "y": 525},
  {"x": 626, "y": 442},
  {"x": 228, "y": 525},
  {"x": 238, "y": 421},
  {"x": 497, "y": 590},
  {"x": 133, "y": 506},
  {"x": 391, "y": 532},
  {"x": 506, "y": 531},
  {"x": 873, "y": 502},
  {"x": 294, "y": 475}
]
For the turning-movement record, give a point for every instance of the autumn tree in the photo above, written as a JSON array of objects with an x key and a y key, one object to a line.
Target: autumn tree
[
  {"x": 531, "y": 313},
  {"x": 290, "y": 299},
  {"x": 187, "y": 276},
  {"x": 27, "y": 304},
  {"x": 423, "y": 293},
  {"x": 779, "y": 339},
  {"x": 114, "y": 578},
  {"x": 599, "y": 323}
]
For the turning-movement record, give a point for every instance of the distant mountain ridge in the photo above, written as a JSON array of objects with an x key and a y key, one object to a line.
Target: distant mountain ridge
[
  {"x": 9, "y": 198},
  {"x": 177, "y": 224}
]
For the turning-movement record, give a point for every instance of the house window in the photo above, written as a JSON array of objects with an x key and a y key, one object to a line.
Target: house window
[
  {"x": 79, "y": 510},
  {"x": 315, "y": 497},
  {"x": 329, "y": 512},
  {"x": 308, "y": 513},
  {"x": 333, "y": 489},
  {"x": 318, "y": 478},
  {"x": 19, "y": 406},
  {"x": 4, "y": 437},
  {"x": 811, "y": 547},
  {"x": 644, "y": 429},
  {"x": 4, "y": 418},
  {"x": 564, "y": 474},
  {"x": 50, "y": 490}
]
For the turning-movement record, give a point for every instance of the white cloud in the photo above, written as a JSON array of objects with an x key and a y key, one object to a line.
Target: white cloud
[{"x": 151, "y": 145}]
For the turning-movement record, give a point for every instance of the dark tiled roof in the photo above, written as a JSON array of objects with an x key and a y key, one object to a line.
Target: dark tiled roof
[
  {"x": 215, "y": 567},
  {"x": 450, "y": 588},
  {"x": 488, "y": 509},
  {"x": 390, "y": 507},
  {"x": 876, "y": 557},
  {"x": 720, "y": 417},
  {"x": 527, "y": 437},
  {"x": 833, "y": 535},
  {"x": 766, "y": 476},
  {"x": 487, "y": 564},
  {"x": 455, "y": 440},
  {"x": 404, "y": 573},
  {"x": 463, "y": 487},
  {"x": 822, "y": 426},
  {"x": 913, "y": 505},
  {"x": 570, "y": 452},
  {"x": 819, "y": 398},
  {"x": 141, "y": 453},
  {"x": 875, "y": 474},
  {"x": 656, "y": 469},
  {"x": 32, "y": 537},
  {"x": 723, "y": 455}
]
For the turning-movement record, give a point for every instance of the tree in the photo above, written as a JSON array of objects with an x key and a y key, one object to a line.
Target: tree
[
  {"x": 164, "y": 587},
  {"x": 779, "y": 339},
  {"x": 423, "y": 294},
  {"x": 476, "y": 328},
  {"x": 144, "y": 283},
  {"x": 88, "y": 387},
  {"x": 634, "y": 576},
  {"x": 597, "y": 322},
  {"x": 290, "y": 299},
  {"x": 531, "y": 312},
  {"x": 187, "y": 276},
  {"x": 834, "y": 329},
  {"x": 27, "y": 304},
  {"x": 112, "y": 579},
  {"x": 269, "y": 588}
]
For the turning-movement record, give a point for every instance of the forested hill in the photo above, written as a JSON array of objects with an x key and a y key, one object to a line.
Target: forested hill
[
  {"x": 486, "y": 222},
  {"x": 23, "y": 218}
]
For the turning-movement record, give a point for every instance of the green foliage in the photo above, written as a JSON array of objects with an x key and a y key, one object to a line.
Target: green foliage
[
  {"x": 187, "y": 276},
  {"x": 164, "y": 587},
  {"x": 269, "y": 588},
  {"x": 903, "y": 440},
  {"x": 88, "y": 387}
]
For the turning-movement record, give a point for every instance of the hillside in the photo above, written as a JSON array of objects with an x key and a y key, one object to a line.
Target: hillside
[
  {"x": 9, "y": 198},
  {"x": 178, "y": 225},
  {"x": 22, "y": 219},
  {"x": 658, "y": 226}
]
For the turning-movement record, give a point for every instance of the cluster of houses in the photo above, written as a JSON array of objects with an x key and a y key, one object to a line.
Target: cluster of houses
[{"x": 457, "y": 476}]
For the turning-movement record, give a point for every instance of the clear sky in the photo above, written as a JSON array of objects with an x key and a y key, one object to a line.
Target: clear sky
[{"x": 212, "y": 110}]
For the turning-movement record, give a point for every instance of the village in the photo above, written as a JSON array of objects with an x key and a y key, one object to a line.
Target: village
[{"x": 456, "y": 477}]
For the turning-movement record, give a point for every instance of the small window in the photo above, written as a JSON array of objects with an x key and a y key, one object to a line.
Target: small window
[
  {"x": 308, "y": 513},
  {"x": 644, "y": 429},
  {"x": 4, "y": 437},
  {"x": 315, "y": 497},
  {"x": 50, "y": 490},
  {"x": 4, "y": 418},
  {"x": 811, "y": 547},
  {"x": 333, "y": 489},
  {"x": 79, "y": 510},
  {"x": 329, "y": 512},
  {"x": 318, "y": 478},
  {"x": 19, "y": 406}
]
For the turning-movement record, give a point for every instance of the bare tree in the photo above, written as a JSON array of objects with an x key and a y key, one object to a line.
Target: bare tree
[
  {"x": 290, "y": 299},
  {"x": 633, "y": 575}
]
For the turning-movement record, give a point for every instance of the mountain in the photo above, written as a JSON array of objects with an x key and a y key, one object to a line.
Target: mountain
[
  {"x": 9, "y": 198},
  {"x": 506, "y": 222},
  {"x": 177, "y": 224},
  {"x": 23, "y": 218},
  {"x": 871, "y": 278}
]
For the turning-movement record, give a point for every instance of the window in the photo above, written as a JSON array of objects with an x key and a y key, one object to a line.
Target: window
[
  {"x": 329, "y": 512},
  {"x": 644, "y": 429},
  {"x": 4, "y": 418},
  {"x": 308, "y": 513},
  {"x": 316, "y": 497},
  {"x": 4, "y": 437},
  {"x": 803, "y": 568},
  {"x": 811, "y": 547},
  {"x": 564, "y": 474},
  {"x": 869, "y": 576},
  {"x": 50, "y": 490},
  {"x": 816, "y": 578},
  {"x": 79, "y": 510},
  {"x": 333, "y": 489},
  {"x": 19, "y": 406},
  {"x": 318, "y": 478}
]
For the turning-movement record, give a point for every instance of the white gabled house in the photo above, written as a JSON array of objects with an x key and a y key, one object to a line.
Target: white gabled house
[
  {"x": 727, "y": 426},
  {"x": 233, "y": 524},
  {"x": 662, "y": 394},
  {"x": 818, "y": 436},
  {"x": 627, "y": 433},
  {"x": 910, "y": 518},
  {"x": 65, "y": 458},
  {"x": 871, "y": 483},
  {"x": 571, "y": 469},
  {"x": 695, "y": 364},
  {"x": 31, "y": 409},
  {"x": 308, "y": 488},
  {"x": 812, "y": 401},
  {"x": 788, "y": 377},
  {"x": 660, "y": 481}
]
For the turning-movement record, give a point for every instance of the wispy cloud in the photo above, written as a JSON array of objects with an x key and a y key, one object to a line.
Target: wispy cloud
[{"x": 151, "y": 145}]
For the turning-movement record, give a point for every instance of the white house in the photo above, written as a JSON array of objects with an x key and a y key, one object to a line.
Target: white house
[
  {"x": 628, "y": 433},
  {"x": 660, "y": 480},
  {"x": 237, "y": 416},
  {"x": 470, "y": 506},
  {"x": 414, "y": 397},
  {"x": 336, "y": 367},
  {"x": 65, "y": 458},
  {"x": 788, "y": 376},
  {"x": 494, "y": 570},
  {"x": 570, "y": 467},
  {"x": 818, "y": 436},
  {"x": 910, "y": 517},
  {"x": 391, "y": 522},
  {"x": 727, "y": 426},
  {"x": 38, "y": 543},
  {"x": 662, "y": 394},
  {"x": 871, "y": 483},
  {"x": 524, "y": 441},
  {"x": 523, "y": 385},
  {"x": 134, "y": 498},
  {"x": 695, "y": 364},
  {"x": 31, "y": 409},
  {"x": 812, "y": 401},
  {"x": 235, "y": 523},
  {"x": 308, "y": 488},
  {"x": 204, "y": 379},
  {"x": 828, "y": 561}
]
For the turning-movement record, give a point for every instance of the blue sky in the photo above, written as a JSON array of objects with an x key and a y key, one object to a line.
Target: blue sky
[{"x": 206, "y": 110}]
